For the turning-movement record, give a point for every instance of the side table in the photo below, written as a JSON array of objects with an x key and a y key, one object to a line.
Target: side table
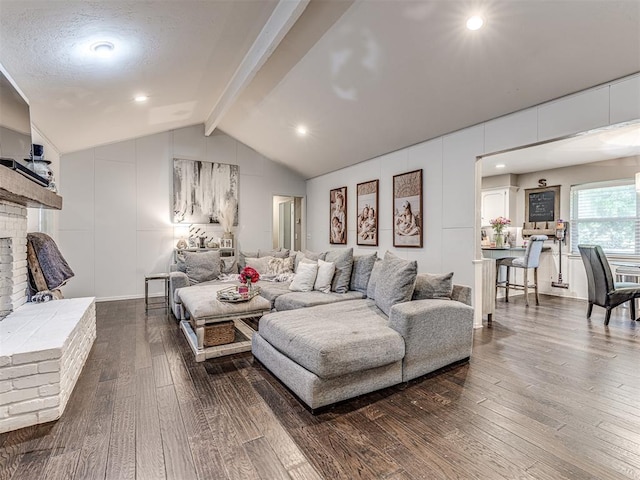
[{"x": 156, "y": 276}]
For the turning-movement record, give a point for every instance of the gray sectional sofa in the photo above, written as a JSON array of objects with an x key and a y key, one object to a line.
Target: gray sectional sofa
[{"x": 391, "y": 325}]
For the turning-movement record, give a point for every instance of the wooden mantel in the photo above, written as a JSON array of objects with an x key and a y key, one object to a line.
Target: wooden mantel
[{"x": 18, "y": 189}]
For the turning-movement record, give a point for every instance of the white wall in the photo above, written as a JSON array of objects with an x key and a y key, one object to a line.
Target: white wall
[
  {"x": 448, "y": 165},
  {"x": 43, "y": 219},
  {"x": 451, "y": 189},
  {"x": 115, "y": 225}
]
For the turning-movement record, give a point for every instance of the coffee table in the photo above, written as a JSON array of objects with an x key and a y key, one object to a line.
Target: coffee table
[{"x": 203, "y": 308}]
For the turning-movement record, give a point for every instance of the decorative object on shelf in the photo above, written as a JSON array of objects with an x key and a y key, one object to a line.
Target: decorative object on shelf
[
  {"x": 338, "y": 216},
  {"x": 227, "y": 217},
  {"x": 41, "y": 167},
  {"x": 367, "y": 209},
  {"x": 498, "y": 225},
  {"x": 201, "y": 189},
  {"x": 182, "y": 244},
  {"x": 37, "y": 164},
  {"x": 213, "y": 244},
  {"x": 407, "y": 209}
]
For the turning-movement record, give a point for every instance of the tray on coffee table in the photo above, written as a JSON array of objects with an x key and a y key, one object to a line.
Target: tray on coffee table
[{"x": 233, "y": 295}]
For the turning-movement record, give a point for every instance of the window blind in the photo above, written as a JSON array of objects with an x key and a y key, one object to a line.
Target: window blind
[{"x": 606, "y": 214}]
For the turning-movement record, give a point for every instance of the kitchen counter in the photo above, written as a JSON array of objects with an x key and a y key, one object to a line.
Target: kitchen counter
[{"x": 503, "y": 252}]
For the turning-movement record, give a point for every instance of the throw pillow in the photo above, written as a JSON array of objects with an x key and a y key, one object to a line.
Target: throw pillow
[
  {"x": 180, "y": 265},
  {"x": 343, "y": 258},
  {"x": 260, "y": 264},
  {"x": 373, "y": 278},
  {"x": 297, "y": 256},
  {"x": 271, "y": 265},
  {"x": 202, "y": 266},
  {"x": 305, "y": 277},
  {"x": 279, "y": 253},
  {"x": 276, "y": 266},
  {"x": 315, "y": 255},
  {"x": 361, "y": 272},
  {"x": 325, "y": 276},
  {"x": 228, "y": 265},
  {"x": 242, "y": 256},
  {"x": 430, "y": 285},
  {"x": 397, "y": 283}
]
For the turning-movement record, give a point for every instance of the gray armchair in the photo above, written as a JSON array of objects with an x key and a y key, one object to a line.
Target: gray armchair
[{"x": 602, "y": 290}]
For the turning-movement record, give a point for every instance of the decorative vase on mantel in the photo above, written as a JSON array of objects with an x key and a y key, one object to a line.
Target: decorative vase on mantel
[{"x": 499, "y": 240}]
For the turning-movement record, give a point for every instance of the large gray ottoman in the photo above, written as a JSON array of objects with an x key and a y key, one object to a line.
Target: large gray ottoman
[{"x": 330, "y": 353}]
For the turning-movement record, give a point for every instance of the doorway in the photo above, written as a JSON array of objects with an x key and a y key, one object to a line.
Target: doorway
[{"x": 287, "y": 222}]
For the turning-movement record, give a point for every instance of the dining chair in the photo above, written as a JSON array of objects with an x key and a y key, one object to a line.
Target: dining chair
[
  {"x": 530, "y": 260},
  {"x": 602, "y": 289}
]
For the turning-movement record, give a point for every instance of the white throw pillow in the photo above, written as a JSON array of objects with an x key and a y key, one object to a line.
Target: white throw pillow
[
  {"x": 261, "y": 265},
  {"x": 325, "y": 276},
  {"x": 304, "y": 278}
]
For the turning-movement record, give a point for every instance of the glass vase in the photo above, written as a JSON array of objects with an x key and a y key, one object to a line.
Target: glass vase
[{"x": 499, "y": 240}]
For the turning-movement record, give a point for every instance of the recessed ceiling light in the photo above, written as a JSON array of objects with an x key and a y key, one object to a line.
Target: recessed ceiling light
[
  {"x": 500, "y": 165},
  {"x": 301, "y": 130},
  {"x": 102, "y": 49},
  {"x": 141, "y": 98},
  {"x": 475, "y": 22}
]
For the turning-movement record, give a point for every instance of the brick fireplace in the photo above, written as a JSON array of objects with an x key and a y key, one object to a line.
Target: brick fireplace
[
  {"x": 13, "y": 257},
  {"x": 43, "y": 346}
]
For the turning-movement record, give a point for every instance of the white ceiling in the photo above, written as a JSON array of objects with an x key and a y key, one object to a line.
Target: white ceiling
[
  {"x": 604, "y": 144},
  {"x": 366, "y": 77}
]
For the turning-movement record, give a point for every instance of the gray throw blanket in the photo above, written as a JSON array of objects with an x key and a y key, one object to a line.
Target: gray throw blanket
[{"x": 54, "y": 267}]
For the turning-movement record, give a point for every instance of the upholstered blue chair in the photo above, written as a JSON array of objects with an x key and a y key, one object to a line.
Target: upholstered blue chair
[
  {"x": 530, "y": 260},
  {"x": 602, "y": 290}
]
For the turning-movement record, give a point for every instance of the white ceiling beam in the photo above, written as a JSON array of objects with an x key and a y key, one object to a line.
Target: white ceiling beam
[{"x": 284, "y": 16}]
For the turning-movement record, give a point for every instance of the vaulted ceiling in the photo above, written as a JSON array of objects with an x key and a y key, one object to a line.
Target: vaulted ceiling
[{"x": 364, "y": 77}]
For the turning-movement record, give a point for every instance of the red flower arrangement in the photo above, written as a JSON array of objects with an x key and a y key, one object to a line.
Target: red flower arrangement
[{"x": 249, "y": 275}]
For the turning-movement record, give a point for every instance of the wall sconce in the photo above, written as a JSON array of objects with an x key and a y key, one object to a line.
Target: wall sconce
[{"x": 638, "y": 182}]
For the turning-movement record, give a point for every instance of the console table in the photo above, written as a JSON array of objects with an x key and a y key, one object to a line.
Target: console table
[{"x": 224, "y": 252}]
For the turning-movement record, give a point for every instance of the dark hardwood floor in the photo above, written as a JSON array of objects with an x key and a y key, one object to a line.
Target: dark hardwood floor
[{"x": 547, "y": 395}]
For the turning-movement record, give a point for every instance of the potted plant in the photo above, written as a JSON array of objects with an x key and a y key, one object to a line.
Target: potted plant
[{"x": 498, "y": 225}]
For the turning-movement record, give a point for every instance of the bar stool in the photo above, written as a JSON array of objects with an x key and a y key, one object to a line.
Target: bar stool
[{"x": 531, "y": 259}]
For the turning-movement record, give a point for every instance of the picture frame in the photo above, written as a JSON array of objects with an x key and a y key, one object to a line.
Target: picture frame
[
  {"x": 367, "y": 213},
  {"x": 226, "y": 243},
  {"x": 407, "y": 210},
  {"x": 338, "y": 216},
  {"x": 201, "y": 189},
  {"x": 542, "y": 204}
]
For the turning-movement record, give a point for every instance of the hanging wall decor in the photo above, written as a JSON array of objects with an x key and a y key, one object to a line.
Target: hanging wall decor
[
  {"x": 201, "y": 189},
  {"x": 338, "y": 216},
  {"x": 367, "y": 209},
  {"x": 407, "y": 209}
]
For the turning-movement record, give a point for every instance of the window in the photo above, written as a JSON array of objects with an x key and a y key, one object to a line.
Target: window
[{"x": 606, "y": 214}]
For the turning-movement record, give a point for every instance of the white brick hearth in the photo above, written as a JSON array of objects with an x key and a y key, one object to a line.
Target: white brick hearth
[
  {"x": 13, "y": 257},
  {"x": 43, "y": 347}
]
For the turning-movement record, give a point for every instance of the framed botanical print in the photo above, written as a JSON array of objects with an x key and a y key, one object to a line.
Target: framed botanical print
[
  {"x": 367, "y": 209},
  {"x": 338, "y": 216},
  {"x": 407, "y": 209}
]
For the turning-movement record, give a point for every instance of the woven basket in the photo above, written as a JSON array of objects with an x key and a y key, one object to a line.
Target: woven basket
[{"x": 219, "y": 334}]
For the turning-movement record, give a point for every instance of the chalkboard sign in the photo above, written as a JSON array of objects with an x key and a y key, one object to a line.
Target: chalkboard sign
[{"x": 542, "y": 204}]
